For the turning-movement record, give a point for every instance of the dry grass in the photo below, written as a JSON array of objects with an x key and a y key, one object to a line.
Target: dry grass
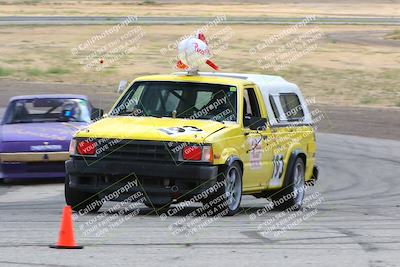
[
  {"x": 202, "y": 8},
  {"x": 350, "y": 73},
  {"x": 394, "y": 35}
]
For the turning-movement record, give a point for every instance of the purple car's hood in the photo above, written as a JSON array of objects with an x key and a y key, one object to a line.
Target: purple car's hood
[{"x": 22, "y": 136}]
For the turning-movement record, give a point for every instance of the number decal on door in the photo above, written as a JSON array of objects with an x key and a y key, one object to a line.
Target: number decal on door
[{"x": 278, "y": 170}]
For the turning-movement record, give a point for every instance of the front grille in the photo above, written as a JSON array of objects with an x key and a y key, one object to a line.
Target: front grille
[{"x": 133, "y": 150}]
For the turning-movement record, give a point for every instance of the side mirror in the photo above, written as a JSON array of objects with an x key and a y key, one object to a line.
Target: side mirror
[
  {"x": 122, "y": 85},
  {"x": 257, "y": 124},
  {"x": 96, "y": 113}
]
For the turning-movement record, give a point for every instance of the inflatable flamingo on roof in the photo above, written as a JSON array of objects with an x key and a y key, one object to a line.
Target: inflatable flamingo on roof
[{"x": 193, "y": 52}]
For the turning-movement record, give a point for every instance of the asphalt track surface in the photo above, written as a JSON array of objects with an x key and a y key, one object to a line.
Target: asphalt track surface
[
  {"x": 356, "y": 222},
  {"x": 96, "y": 20}
]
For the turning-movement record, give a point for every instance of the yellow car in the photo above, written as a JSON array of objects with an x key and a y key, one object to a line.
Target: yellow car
[{"x": 204, "y": 137}]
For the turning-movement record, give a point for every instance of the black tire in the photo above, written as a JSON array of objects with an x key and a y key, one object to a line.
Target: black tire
[
  {"x": 221, "y": 203},
  {"x": 80, "y": 201},
  {"x": 291, "y": 196}
]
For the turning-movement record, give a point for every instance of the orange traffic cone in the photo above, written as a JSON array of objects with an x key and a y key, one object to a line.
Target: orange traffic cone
[{"x": 66, "y": 237}]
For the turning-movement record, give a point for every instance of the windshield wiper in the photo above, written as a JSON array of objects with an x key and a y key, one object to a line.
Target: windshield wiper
[
  {"x": 13, "y": 122},
  {"x": 139, "y": 115}
]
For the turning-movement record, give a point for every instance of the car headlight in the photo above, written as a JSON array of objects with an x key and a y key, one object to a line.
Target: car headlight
[
  {"x": 86, "y": 148},
  {"x": 82, "y": 148},
  {"x": 202, "y": 153}
]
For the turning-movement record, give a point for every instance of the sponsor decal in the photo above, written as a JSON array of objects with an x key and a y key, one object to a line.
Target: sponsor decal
[
  {"x": 255, "y": 153},
  {"x": 46, "y": 147}
]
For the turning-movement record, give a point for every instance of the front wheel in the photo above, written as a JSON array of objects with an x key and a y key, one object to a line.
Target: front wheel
[
  {"x": 80, "y": 201},
  {"x": 227, "y": 199}
]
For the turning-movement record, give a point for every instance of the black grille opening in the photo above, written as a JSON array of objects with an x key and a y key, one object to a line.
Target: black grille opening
[{"x": 132, "y": 150}]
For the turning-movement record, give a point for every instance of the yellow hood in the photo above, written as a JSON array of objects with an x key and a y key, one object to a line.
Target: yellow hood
[{"x": 150, "y": 128}]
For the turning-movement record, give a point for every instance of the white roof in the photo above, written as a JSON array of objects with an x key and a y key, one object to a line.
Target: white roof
[{"x": 269, "y": 85}]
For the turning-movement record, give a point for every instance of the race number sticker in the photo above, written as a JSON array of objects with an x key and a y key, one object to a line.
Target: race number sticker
[
  {"x": 278, "y": 170},
  {"x": 255, "y": 153},
  {"x": 175, "y": 131}
]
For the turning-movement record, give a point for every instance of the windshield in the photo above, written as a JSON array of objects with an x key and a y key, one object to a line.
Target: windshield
[
  {"x": 179, "y": 100},
  {"x": 47, "y": 110}
]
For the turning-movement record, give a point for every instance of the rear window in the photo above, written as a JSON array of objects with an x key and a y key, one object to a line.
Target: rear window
[
  {"x": 291, "y": 107},
  {"x": 47, "y": 110}
]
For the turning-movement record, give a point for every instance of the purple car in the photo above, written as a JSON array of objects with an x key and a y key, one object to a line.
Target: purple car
[{"x": 35, "y": 133}]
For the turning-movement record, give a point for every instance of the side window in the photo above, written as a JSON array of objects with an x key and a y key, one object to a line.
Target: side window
[
  {"x": 291, "y": 106},
  {"x": 274, "y": 108},
  {"x": 251, "y": 107}
]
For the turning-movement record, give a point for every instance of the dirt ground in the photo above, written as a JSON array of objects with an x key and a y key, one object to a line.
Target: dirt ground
[
  {"x": 350, "y": 65},
  {"x": 354, "y": 65},
  {"x": 269, "y": 8},
  {"x": 368, "y": 122}
]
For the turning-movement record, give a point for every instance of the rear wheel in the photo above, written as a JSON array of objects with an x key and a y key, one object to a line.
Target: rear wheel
[
  {"x": 81, "y": 201},
  {"x": 293, "y": 194}
]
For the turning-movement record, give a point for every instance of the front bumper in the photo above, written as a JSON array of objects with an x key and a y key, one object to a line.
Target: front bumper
[
  {"x": 314, "y": 176},
  {"x": 164, "y": 181},
  {"x": 27, "y": 165}
]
